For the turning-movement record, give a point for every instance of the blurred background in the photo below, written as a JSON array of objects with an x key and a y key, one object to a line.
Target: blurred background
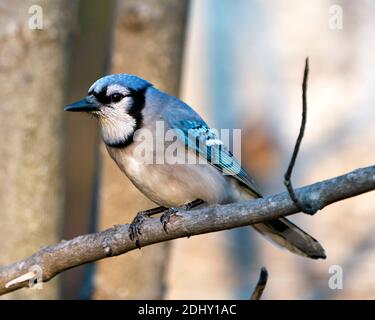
[{"x": 238, "y": 63}]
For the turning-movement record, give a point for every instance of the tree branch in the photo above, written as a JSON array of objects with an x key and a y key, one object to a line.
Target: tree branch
[
  {"x": 55, "y": 259},
  {"x": 308, "y": 208},
  {"x": 261, "y": 285}
]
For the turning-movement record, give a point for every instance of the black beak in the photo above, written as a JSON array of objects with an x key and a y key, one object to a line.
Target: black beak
[{"x": 85, "y": 104}]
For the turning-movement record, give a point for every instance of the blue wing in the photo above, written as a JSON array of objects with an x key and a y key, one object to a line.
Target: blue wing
[{"x": 198, "y": 137}]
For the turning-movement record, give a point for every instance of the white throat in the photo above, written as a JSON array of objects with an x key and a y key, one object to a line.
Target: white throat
[{"x": 117, "y": 129}]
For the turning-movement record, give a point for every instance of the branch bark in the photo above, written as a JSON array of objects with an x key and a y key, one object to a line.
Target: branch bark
[{"x": 115, "y": 241}]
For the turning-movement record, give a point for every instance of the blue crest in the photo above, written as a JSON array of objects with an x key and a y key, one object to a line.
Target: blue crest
[{"x": 126, "y": 80}]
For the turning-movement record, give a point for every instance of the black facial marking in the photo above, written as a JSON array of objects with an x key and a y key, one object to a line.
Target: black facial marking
[
  {"x": 138, "y": 104},
  {"x": 101, "y": 96},
  {"x": 135, "y": 111}
]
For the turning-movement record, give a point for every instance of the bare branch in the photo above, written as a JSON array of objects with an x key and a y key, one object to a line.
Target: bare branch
[
  {"x": 115, "y": 241},
  {"x": 261, "y": 285},
  {"x": 311, "y": 207}
]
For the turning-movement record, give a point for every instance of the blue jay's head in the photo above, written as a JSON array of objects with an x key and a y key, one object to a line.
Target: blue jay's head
[{"x": 117, "y": 101}]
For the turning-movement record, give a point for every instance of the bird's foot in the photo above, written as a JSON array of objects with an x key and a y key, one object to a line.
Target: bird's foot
[
  {"x": 166, "y": 216},
  {"x": 135, "y": 227}
]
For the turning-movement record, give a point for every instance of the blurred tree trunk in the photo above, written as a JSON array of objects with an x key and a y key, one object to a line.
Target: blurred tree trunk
[
  {"x": 32, "y": 75},
  {"x": 86, "y": 64},
  {"x": 148, "y": 41}
]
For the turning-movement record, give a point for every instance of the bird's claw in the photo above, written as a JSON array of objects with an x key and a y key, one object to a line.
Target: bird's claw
[
  {"x": 166, "y": 216},
  {"x": 135, "y": 228}
]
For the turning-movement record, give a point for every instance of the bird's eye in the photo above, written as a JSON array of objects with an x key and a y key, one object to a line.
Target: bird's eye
[{"x": 116, "y": 97}]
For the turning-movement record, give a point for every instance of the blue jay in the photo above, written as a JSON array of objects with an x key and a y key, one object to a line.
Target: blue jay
[{"x": 125, "y": 103}]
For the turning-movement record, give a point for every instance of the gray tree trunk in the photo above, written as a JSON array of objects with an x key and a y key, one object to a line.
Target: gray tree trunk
[
  {"x": 32, "y": 74},
  {"x": 86, "y": 64},
  {"x": 148, "y": 41}
]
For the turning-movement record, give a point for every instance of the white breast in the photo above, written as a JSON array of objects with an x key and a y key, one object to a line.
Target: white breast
[{"x": 174, "y": 185}]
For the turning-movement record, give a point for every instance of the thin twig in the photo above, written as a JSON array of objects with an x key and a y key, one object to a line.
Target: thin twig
[
  {"x": 305, "y": 207},
  {"x": 261, "y": 285},
  {"x": 57, "y": 258}
]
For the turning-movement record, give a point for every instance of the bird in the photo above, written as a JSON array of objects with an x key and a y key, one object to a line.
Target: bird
[{"x": 126, "y": 105}]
